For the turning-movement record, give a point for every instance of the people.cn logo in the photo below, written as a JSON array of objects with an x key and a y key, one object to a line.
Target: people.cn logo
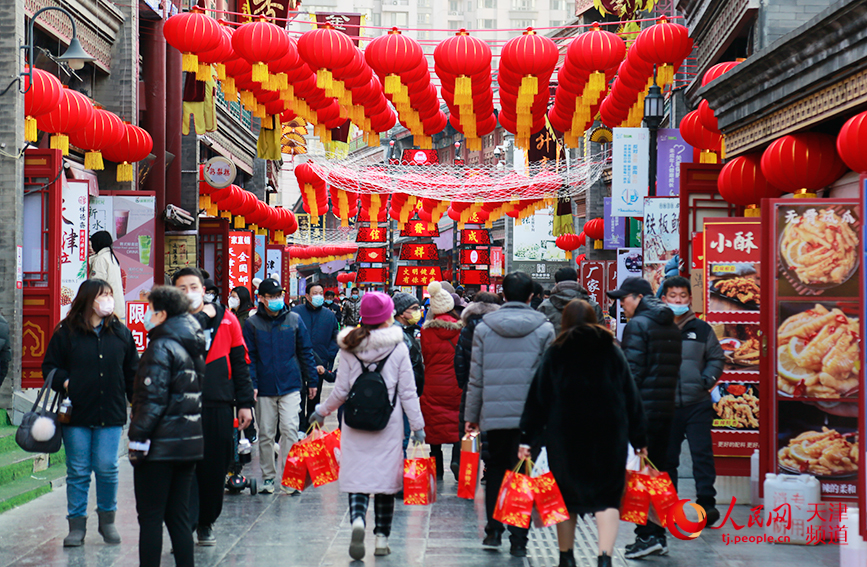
[{"x": 676, "y": 521}]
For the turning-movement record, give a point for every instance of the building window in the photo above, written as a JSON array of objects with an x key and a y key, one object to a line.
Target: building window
[
  {"x": 558, "y": 5},
  {"x": 487, "y": 24},
  {"x": 376, "y": 19},
  {"x": 556, "y": 23},
  {"x": 424, "y": 3},
  {"x": 521, "y": 24},
  {"x": 523, "y": 5},
  {"x": 423, "y": 19},
  {"x": 454, "y": 6},
  {"x": 469, "y": 6},
  {"x": 455, "y": 25},
  {"x": 490, "y": 3}
]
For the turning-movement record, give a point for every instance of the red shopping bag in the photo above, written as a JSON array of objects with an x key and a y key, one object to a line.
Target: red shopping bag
[
  {"x": 468, "y": 473},
  {"x": 320, "y": 462},
  {"x": 332, "y": 444},
  {"x": 662, "y": 494},
  {"x": 549, "y": 501},
  {"x": 419, "y": 480},
  {"x": 635, "y": 504},
  {"x": 295, "y": 471},
  {"x": 515, "y": 500}
]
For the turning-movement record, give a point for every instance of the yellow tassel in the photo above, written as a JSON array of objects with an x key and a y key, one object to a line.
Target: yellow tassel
[
  {"x": 597, "y": 245},
  {"x": 282, "y": 82},
  {"x": 124, "y": 171},
  {"x": 324, "y": 79},
  {"x": 93, "y": 161},
  {"x": 268, "y": 122},
  {"x": 230, "y": 92},
  {"x": 213, "y": 211},
  {"x": 402, "y": 94},
  {"x": 259, "y": 112},
  {"x": 226, "y": 215},
  {"x": 722, "y": 148},
  {"x": 525, "y": 121},
  {"x": 239, "y": 221},
  {"x": 463, "y": 90},
  {"x": 60, "y": 142},
  {"x": 221, "y": 71},
  {"x": 752, "y": 211},
  {"x": 708, "y": 156},
  {"x": 190, "y": 62},
  {"x": 30, "y": 132},
  {"x": 203, "y": 73},
  {"x": 260, "y": 73},
  {"x": 373, "y": 140},
  {"x": 392, "y": 84},
  {"x": 529, "y": 87},
  {"x": 278, "y": 235},
  {"x": 664, "y": 75},
  {"x": 273, "y": 83},
  {"x": 204, "y": 202},
  {"x": 261, "y": 231},
  {"x": 596, "y": 82},
  {"x": 568, "y": 254}
]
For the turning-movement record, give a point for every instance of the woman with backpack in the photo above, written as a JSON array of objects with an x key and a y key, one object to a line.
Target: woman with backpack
[{"x": 374, "y": 356}]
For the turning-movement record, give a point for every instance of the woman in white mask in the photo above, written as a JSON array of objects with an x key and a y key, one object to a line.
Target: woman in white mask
[
  {"x": 94, "y": 359},
  {"x": 104, "y": 265}
]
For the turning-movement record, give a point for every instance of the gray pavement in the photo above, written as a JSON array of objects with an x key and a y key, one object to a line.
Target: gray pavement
[{"x": 312, "y": 529}]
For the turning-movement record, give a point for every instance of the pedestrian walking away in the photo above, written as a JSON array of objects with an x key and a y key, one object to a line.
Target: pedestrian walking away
[
  {"x": 362, "y": 349},
  {"x": 94, "y": 359},
  {"x": 165, "y": 431},
  {"x": 652, "y": 346},
  {"x": 322, "y": 326},
  {"x": 596, "y": 394},
  {"x": 566, "y": 290},
  {"x": 407, "y": 314}
]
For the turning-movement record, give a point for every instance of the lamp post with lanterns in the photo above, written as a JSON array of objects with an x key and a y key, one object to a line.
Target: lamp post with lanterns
[{"x": 654, "y": 112}]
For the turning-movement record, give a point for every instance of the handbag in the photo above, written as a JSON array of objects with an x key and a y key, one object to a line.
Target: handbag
[{"x": 24, "y": 435}]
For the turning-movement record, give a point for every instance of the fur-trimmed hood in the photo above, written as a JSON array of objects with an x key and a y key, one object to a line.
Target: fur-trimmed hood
[
  {"x": 379, "y": 342},
  {"x": 477, "y": 310},
  {"x": 443, "y": 322}
]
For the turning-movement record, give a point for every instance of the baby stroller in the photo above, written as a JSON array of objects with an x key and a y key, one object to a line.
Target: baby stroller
[{"x": 236, "y": 482}]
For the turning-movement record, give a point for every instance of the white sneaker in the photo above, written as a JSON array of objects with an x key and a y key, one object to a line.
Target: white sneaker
[
  {"x": 356, "y": 545},
  {"x": 381, "y": 546}
]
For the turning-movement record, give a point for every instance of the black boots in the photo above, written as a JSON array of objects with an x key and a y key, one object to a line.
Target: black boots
[
  {"x": 567, "y": 559},
  {"x": 604, "y": 560},
  {"x": 77, "y": 530}
]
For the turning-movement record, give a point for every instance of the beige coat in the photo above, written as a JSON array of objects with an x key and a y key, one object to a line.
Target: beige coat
[{"x": 104, "y": 267}]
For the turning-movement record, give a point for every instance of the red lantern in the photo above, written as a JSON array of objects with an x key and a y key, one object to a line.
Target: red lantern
[
  {"x": 104, "y": 131},
  {"x": 595, "y": 229},
  {"x": 696, "y": 135},
  {"x": 707, "y": 117},
  {"x": 40, "y": 98},
  {"x": 717, "y": 71},
  {"x": 392, "y": 55},
  {"x": 852, "y": 141},
  {"x": 259, "y": 43},
  {"x": 802, "y": 163},
  {"x": 325, "y": 49},
  {"x": 134, "y": 146},
  {"x": 665, "y": 45},
  {"x": 596, "y": 51},
  {"x": 219, "y": 55},
  {"x": 74, "y": 112},
  {"x": 741, "y": 182},
  {"x": 463, "y": 56},
  {"x": 567, "y": 242},
  {"x": 192, "y": 33}
]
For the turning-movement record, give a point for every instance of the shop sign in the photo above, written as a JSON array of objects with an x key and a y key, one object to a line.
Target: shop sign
[
  {"x": 417, "y": 275},
  {"x": 240, "y": 259},
  {"x": 629, "y": 171},
  {"x": 73, "y": 242},
  {"x": 219, "y": 172},
  {"x": 593, "y": 279},
  {"x": 370, "y": 234},
  {"x": 661, "y": 241},
  {"x": 615, "y": 229},
  {"x": 372, "y": 275},
  {"x": 475, "y": 277},
  {"x": 420, "y": 228},
  {"x": 350, "y": 24},
  {"x": 418, "y": 252},
  {"x": 475, "y": 257},
  {"x": 475, "y": 236},
  {"x": 377, "y": 255},
  {"x": 135, "y": 312},
  {"x": 496, "y": 269}
]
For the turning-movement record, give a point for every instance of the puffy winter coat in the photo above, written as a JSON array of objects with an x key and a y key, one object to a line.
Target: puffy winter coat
[
  {"x": 702, "y": 362},
  {"x": 100, "y": 369},
  {"x": 441, "y": 401},
  {"x": 351, "y": 312},
  {"x": 322, "y": 326},
  {"x": 167, "y": 404},
  {"x": 281, "y": 353},
  {"x": 507, "y": 347},
  {"x": 652, "y": 345},
  {"x": 411, "y": 341},
  {"x": 562, "y": 294},
  {"x": 227, "y": 374},
  {"x": 371, "y": 462},
  {"x": 105, "y": 267},
  {"x": 471, "y": 317}
]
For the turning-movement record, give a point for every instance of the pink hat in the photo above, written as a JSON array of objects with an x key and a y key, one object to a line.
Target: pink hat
[{"x": 376, "y": 308}]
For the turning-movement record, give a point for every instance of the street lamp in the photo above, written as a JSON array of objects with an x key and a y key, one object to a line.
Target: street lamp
[
  {"x": 75, "y": 56},
  {"x": 654, "y": 111},
  {"x": 457, "y": 150}
]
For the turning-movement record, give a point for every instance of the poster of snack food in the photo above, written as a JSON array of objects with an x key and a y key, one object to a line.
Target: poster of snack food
[
  {"x": 661, "y": 237},
  {"x": 259, "y": 257},
  {"x": 73, "y": 241}
]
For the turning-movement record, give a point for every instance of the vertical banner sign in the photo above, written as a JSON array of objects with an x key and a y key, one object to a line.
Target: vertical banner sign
[
  {"x": 615, "y": 229},
  {"x": 814, "y": 336},
  {"x": 180, "y": 252},
  {"x": 259, "y": 257},
  {"x": 496, "y": 270},
  {"x": 629, "y": 264},
  {"x": 671, "y": 151},
  {"x": 862, "y": 426},
  {"x": 731, "y": 304},
  {"x": 134, "y": 229},
  {"x": 240, "y": 259},
  {"x": 274, "y": 262},
  {"x": 135, "y": 312},
  {"x": 629, "y": 171},
  {"x": 593, "y": 280},
  {"x": 73, "y": 242},
  {"x": 661, "y": 240}
]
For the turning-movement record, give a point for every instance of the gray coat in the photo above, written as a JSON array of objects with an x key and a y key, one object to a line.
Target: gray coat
[
  {"x": 701, "y": 364},
  {"x": 563, "y": 293},
  {"x": 507, "y": 347}
]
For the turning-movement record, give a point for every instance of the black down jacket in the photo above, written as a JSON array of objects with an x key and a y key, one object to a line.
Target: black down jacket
[
  {"x": 471, "y": 316},
  {"x": 652, "y": 345},
  {"x": 166, "y": 403}
]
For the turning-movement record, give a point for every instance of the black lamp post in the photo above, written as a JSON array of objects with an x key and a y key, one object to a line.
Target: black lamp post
[
  {"x": 75, "y": 56},
  {"x": 654, "y": 111}
]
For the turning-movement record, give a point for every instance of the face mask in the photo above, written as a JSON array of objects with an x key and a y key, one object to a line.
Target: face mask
[
  {"x": 104, "y": 306},
  {"x": 415, "y": 318},
  {"x": 148, "y": 319},
  {"x": 275, "y": 305},
  {"x": 195, "y": 298},
  {"x": 328, "y": 302},
  {"x": 317, "y": 301},
  {"x": 678, "y": 309},
  {"x": 234, "y": 303},
  {"x": 209, "y": 297},
  {"x": 354, "y": 296}
]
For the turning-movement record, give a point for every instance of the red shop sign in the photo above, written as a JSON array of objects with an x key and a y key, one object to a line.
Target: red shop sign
[
  {"x": 417, "y": 275},
  {"x": 240, "y": 259},
  {"x": 372, "y": 275},
  {"x": 135, "y": 311},
  {"x": 419, "y": 228},
  {"x": 732, "y": 242},
  {"x": 418, "y": 252},
  {"x": 593, "y": 280},
  {"x": 475, "y": 257},
  {"x": 475, "y": 277},
  {"x": 475, "y": 236},
  {"x": 371, "y": 255},
  {"x": 368, "y": 234}
]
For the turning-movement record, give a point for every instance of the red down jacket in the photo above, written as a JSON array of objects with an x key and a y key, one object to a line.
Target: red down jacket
[{"x": 441, "y": 401}]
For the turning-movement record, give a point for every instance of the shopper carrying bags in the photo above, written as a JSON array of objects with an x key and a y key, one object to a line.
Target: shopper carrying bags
[{"x": 372, "y": 461}]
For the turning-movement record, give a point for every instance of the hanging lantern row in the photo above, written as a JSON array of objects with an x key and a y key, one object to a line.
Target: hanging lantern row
[
  {"x": 247, "y": 211},
  {"x": 313, "y": 193},
  {"x": 595, "y": 229},
  {"x": 320, "y": 254},
  {"x": 346, "y": 277},
  {"x": 699, "y": 128}
]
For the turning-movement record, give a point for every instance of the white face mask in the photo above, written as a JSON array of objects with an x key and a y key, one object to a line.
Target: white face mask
[
  {"x": 104, "y": 306},
  {"x": 234, "y": 303},
  {"x": 209, "y": 297},
  {"x": 195, "y": 298}
]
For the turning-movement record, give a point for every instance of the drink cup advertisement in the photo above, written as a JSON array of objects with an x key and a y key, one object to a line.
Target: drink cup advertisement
[{"x": 134, "y": 224}]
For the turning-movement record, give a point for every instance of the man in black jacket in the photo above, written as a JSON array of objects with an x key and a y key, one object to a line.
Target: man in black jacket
[
  {"x": 652, "y": 345},
  {"x": 407, "y": 314},
  {"x": 703, "y": 362}
]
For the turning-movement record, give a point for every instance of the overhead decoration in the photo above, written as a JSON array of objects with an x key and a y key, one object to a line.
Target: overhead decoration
[
  {"x": 40, "y": 97},
  {"x": 568, "y": 243},
  {"x": 191, "y": 33},
  {"x": 696, "y": 135},
  {"x": 851, "y": 143},
  {"x": 320, "y": 254},
  {"x": 802, "y": 163},
  {"x": 372, "y": 255},
  {"x": 666, "y": 45},
  {"x": 324, "y": 50},
  {"x": 595, "y": 229},
  {"x": 373, "y": 205},
  {"x": 216, "y": 56},
  {"x": 72, "y": 113},
  {"x": 741, "y": 182},
  {"x": 313, "y": 194},
  {"x": 106, "y": 130},
  {"x": 344, "y": 204},
  {"x": 135, "y": 145},
  {"x": 259, "y": 43}
]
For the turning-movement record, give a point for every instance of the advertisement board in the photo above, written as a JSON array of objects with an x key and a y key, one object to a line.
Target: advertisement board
[
  {"x": 535, "y": 240},
  {"x": 671, "y": 151},
  {"x": 629, "y": 264},
  {"x": 73, "y": 241},
  {"x": 135, "y": 312},
  {"x": 496, "y": 264},
  {"x": 132, "y": 226},
  {"x": 661, "y": 237},
  {"x": 240, "y": 260},
  {"x": 629, "y": 171},
  {"x": 615, "y": 228}
]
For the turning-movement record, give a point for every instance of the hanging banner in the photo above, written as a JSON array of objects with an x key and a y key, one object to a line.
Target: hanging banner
[
  {"x": 615, "y": 229},
  {"x": 376, "y": 255},
  {"x": 475, "y": 277},
  {"x": 240, "y": 259},
  {"x": 661, "y": 239},
  {"x": 350, "y": 24},
  {"x": 629, "y": 171},
  {"x": 372, "y": 275},
  {"x": 417, "y": 275},
  {"x": 475, "y": 257},
  {"x": 73, "y": 241},
  {"x": 274, "y": 262},
  {"x": 420, "y": 228},
  {"x": 418, "y": 252},
  {"x": 475, "y": 236},
  {"x": 135, "y": 311},
  {"x": 671, "y": 151},
  {"x": 367, "y": 234},
  {"x": 259, "y": 257},
  {"x": 496, "y": 263}
]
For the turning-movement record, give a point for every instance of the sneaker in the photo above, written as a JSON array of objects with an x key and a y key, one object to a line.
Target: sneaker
[
  {"x": 712, "y": 517},
  {"x": 518, "y": 550},
  {"x": 662, "y": 541},
  {"x": 356, "y": 545},
  {"x": 205, "y": 536},
  {"x": 381, "y": 546},
  {"x": 645, "y": 547},
  {"x": 267, "y": 486},
  {"x": 492, "y": 541},
  {"x": 289, "y": 491}
]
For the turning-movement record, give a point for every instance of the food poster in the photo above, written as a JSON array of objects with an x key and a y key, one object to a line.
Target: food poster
[
  {"x": 814, "y": 340},
  {"x": 629, "y": 264},
  {"x": 661, "y": 238},
  {"x": 134, "y": 228},
  {"x": 240, "y": 260},
  {"x": 259, "y": 257},
  {"x": 730, "y": 256},
  {"x": 73, "y": 241}
]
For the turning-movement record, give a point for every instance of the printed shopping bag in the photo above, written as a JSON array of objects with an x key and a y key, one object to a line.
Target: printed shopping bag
[
  {"x": 468, "y": 474},
  {"x": 319, "y": 460},
  {"x": 635, "y": 505},
  {"x": 419, "y": 480},
  {"x": 332, "y": 443},
  {"x": 295, "y": 471},
  {"x": 662, "y": 494},
  {"x": 515, "y": 500},
  {"x": 549, "y": 501}
]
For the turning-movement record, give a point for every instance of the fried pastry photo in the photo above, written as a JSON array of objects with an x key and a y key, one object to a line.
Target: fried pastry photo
[
  {"x": 745, "y": 290},
  {"x": 820, "y": 250},
  {"x": 740, "y": 412},
  {"x": 822, "y": 453}
]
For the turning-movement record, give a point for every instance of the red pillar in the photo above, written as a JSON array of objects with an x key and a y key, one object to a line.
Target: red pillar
[
  {"x": 174, "y": 116},
  {"x": 153, "y": 48}
]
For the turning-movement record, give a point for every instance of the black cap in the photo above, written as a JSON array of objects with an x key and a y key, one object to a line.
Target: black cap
[
  {"x": 270, "y": 286},
  {"x": 630, "y": 286}
]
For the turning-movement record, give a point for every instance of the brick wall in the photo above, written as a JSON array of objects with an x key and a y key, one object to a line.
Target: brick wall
[{"x": 779, "y": 17}]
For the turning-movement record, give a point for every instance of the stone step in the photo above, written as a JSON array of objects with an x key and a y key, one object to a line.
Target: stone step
[
  {"x": 7, "y": 439},
  {"x": 28, "y": 488}
]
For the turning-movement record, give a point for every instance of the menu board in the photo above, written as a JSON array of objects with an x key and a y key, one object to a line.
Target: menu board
[
  {"x": 814, "y": 340},
  {"x": 731, "y": 304}
]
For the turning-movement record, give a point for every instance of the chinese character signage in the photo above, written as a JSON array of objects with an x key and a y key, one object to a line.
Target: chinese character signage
[
  {"x": 629, "y": 171},
  {"x": 375, "y": 255},
  {"x": 73, "y": 242},
  {"x": 350, "y": 24},
  {"x": 475, "y": 236},
  {"x": 476, "y": 257},
  {"x": 135, "y": 311},
  {"x": 615, "y": 229},
  {"x": 240, "y": 259},
  {"x": 594, "y": 279},
  {"x": 814, "y": 335},
  {"x": 369, "y": 234},
  {"x": 496, "y": 264},
  {"x": 418, "y": 252},
  {"x": 180, "y": 252},
  {"x": 417, "y": 275},
  {"x": 661, "y": 240},
  {"x": 543, "y": 147},
  {"x": 420, "y": 228},
  {"x": 475, "y": 277},
  {"x": 731, "y": 304},
  {"x": 271, "y": 9},
  {"x": 372, "y": 275},
  {"x": 671, "y": 151}
]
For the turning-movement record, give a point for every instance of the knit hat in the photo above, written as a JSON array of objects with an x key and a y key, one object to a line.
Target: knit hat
[
  {"x": 440, "y": 300},
  {"x": 448, "y": 287},
  {"x": 403, "y": 301},
  {"x": 375, "y": 308}
]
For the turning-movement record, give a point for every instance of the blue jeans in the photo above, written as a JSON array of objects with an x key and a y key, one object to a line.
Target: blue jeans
[{"x": 91, "y": 450}]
